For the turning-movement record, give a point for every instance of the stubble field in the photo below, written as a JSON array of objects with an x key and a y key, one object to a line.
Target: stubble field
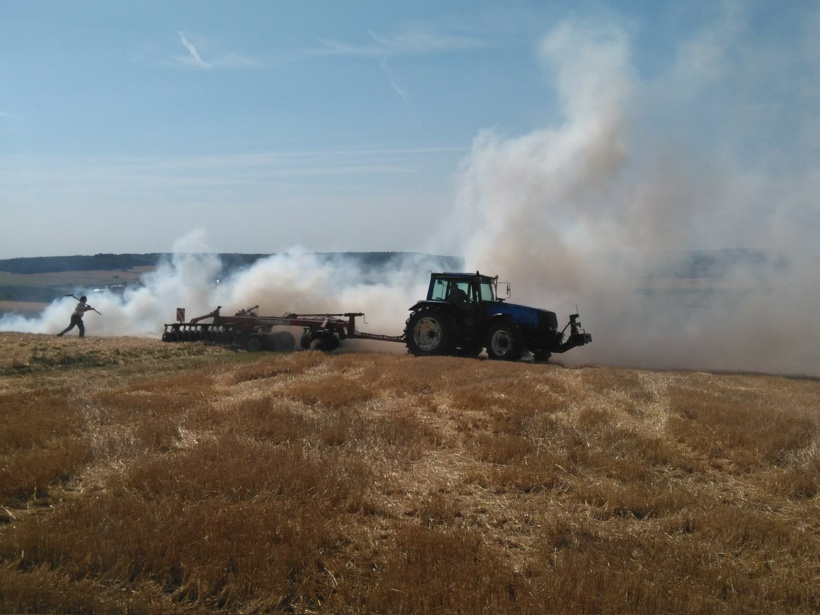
[{"x": 143, "y": 477}]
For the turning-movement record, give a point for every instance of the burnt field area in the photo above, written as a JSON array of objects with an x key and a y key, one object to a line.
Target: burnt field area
[{"x": 143, "y": 477}]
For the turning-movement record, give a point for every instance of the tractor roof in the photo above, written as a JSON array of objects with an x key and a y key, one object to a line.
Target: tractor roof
[{"x": 465, "y": 276}]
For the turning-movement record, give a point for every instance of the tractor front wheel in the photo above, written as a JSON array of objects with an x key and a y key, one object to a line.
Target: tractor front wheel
[
  {"x": 504, "y": 342},
  {"x": 430, "y": 332}
]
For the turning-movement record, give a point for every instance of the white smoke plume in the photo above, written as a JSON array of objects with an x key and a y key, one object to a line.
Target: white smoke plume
[
  {"x": 194, "y": 279},
  {"x": 611, "y": 210}
]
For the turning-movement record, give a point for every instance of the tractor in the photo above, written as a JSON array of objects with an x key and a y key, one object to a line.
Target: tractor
[{"x": 463, "y": 315}]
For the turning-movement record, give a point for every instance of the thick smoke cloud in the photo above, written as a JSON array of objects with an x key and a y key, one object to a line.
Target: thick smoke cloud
[
  {"x": 195, "y": 279},
  {"x": 627, "y": 206}
]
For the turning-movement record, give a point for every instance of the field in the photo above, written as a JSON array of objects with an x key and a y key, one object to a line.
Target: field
[{"x": 142, "y": 477}]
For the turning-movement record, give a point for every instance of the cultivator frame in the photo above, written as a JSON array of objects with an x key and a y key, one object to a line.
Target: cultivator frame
[{"x": 248, "y": 330}]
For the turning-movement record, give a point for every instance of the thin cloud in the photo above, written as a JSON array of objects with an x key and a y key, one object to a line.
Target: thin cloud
[
  {"x": 335, "y": 48},
  {"x": 420, "y": 40},
  {"x": 402, "y": 94},
  {"x": 415, "y": 40},
  {"x": 194, "y": 54},
  {"x": 392, "y": 81},
  {"x": 409, "y": 41},
  {"x": 89, "y": 176},
  {"x": 9, "y": 115},
  {"x": 226, "y": 60}
]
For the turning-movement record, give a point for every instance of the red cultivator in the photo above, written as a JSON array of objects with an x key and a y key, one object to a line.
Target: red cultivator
[{"x": 248, "y": 330}]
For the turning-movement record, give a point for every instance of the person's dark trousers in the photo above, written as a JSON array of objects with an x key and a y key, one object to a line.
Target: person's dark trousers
[{"x": 76, "y": 321}]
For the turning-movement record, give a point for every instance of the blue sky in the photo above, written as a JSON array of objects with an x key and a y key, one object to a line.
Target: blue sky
[{"x": 354, "y": 125}]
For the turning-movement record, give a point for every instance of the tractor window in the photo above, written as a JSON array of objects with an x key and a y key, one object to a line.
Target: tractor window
[
  {"x": 440, "y": 289},
  {"x": 487, "y": 292},
  {"x": 455, "y": 291},
  {"x": 459, "y": 292}
]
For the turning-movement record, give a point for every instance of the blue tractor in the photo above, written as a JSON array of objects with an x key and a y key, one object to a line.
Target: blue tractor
[{"x": 463, "y": 315}]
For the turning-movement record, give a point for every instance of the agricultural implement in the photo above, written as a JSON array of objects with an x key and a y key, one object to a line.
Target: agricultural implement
[
  {"x": 462, "y": 315},
  {"x": 248, "y": 330}
]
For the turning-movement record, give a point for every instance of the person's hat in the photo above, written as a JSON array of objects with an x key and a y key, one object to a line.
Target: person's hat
[{"x": 83, "y": 298}]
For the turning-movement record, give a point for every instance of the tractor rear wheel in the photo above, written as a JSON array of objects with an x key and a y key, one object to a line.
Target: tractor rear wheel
[
  {"x": 504, "y": 342},
  {"x": 429, "y": 332}
]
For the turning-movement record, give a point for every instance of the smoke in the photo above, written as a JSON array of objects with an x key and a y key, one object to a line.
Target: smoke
[
  {"x": 196, "y": 280},
  {"x": 680, "y": 248},
  {"x": 668, "y": 209}
]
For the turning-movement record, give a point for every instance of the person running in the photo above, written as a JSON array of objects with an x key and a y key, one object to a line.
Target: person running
[{"x": 77, "y": 317}]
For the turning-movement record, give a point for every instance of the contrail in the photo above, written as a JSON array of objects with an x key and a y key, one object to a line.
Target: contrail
[
  {"x": 194, "y": 53},
  {"x": 402, "y": 94}
]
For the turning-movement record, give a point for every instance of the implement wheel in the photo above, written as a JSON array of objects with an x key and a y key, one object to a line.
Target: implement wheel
[
  {"x": 430, "y": 332},
  {"x": 255, "y": 343},
  {"x": 319, "y": 339},
  {"x": 281, "y": 341},
  {"x": 327, "y": 343}
]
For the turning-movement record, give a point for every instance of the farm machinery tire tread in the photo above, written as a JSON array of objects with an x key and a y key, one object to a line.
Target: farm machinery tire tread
[{"x": 430, "y": 331}]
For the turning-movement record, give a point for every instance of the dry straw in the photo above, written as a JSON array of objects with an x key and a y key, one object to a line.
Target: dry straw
[{"x": 137, "y": 476}]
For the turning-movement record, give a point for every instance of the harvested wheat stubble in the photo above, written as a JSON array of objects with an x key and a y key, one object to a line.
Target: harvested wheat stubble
[{"x": 190, "y": 478}]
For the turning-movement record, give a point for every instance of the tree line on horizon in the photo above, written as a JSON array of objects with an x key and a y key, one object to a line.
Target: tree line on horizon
[
  {"x": 127, "y": 262},
  {"x": 28, "y": 291}
]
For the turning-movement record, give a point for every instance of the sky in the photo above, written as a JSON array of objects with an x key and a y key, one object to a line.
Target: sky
[
  {"x": 576, "y": 149},
  {"x": 331, "y": 125},
  {"x": 347, "y": 125}
]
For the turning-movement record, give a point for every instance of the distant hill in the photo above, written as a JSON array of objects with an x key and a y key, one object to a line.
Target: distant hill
[
  {"x": 45, "y": 278},
  {"x": 689, "y": 264},
  {"x": 98, "y": 262},
  {"x": 127, "y": 262}
]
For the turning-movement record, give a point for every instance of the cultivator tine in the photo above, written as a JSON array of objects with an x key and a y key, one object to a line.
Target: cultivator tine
[{"x": 184, "y": 333}]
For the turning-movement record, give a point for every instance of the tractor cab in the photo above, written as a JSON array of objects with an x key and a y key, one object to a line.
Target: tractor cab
[{"x": 465, "y": 290}]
